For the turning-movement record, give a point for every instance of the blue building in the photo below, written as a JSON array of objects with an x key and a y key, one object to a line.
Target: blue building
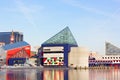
[
  {"x": 55, "y": 51},
  {"x": 8, "y": 37}
]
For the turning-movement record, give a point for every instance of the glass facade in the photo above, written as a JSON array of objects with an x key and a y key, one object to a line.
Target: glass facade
[
  {"x": 111, "y": 49},
  {"x": 63, "y": 37},
  {"x": 5, "y": 37}
]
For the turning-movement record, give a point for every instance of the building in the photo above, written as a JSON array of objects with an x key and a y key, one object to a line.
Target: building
[
  {"x": 15, "y": 53},
  {"x": 57, "y": 50},
  {"x": 78, "y": 57},
  {"x": 95, "y": 56},
  {"x": 111, "y": 49},
  {"x": 111, "y": 57},
  {"x": 10, "y": 37}
]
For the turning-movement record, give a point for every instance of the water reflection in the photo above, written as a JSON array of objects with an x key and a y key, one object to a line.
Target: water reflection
[
  {"x": 2, "y": 75},
  {"x": 78, "y": 75},
  {"x": 36, "y": 74},
  {"x": 25, "y": 74},
  {"x": 53, "y": 75},
  {"x": 104, "y": 74},
  {"x": 33, "y": 74}
]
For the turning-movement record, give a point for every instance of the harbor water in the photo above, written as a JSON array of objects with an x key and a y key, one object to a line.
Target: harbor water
[{"x": 59, "y": 74}]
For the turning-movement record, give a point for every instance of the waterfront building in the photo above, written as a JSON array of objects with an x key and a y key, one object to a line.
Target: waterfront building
[
  {"x": 15, "y": 53},
  {"x": 78, "y": 57},
  {"x": 95, "y": 56},
  {"x": 111, "y": 57},
  {"x": 112, "y": 53},
  {"x": 58, "y": 50},
  {"x": 10, "y": 37},
  {"x": 111, "y": 49}
]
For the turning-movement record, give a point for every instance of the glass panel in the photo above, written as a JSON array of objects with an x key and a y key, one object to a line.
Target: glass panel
[
  {"x": 63, "y": 37},
  {"x": 111, "y": 49}
]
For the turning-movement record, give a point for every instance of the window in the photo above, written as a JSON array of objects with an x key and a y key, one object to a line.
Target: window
[{"x": 59, "y": 60}]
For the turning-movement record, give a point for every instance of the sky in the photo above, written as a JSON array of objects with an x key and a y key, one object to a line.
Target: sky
[{"x": 92, "y": 22}]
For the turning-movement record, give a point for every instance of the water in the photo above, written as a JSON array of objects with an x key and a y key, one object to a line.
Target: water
[{"x": 36, "y": 74}]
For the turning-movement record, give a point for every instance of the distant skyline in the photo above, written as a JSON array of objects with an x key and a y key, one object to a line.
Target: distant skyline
[{"x": 92, "y": 22}]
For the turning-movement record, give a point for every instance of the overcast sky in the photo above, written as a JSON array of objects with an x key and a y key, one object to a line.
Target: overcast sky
[{"x": 92, "y": 22}]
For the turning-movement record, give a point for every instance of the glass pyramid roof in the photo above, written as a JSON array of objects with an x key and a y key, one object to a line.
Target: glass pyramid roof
[
  {"x": 111, "y": 49},
  {"x": 63, "y": 37}
]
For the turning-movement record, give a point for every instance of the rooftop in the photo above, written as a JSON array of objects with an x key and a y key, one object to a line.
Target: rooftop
[
  {"x": 15, "y": 45},
  {"x": 63, "y": 37}
]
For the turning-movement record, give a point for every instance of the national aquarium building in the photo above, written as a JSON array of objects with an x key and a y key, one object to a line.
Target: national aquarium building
[{"x": 62, "y": 50}]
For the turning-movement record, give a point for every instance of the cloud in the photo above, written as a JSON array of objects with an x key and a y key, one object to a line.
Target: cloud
[
  {"x": 86, "y": 8},
  {"x": 109, "y": 16},
  {"x": 79, "y": 5},
  {"x": 6, "y": 9},
  {"x": 26, "y": 11},
  {"x": 116, "y": 0}
]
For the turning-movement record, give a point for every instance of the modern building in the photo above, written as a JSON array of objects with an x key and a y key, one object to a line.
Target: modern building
[
  {"x": 58, "y": 51},
  {"x": 111, "y": 49},
  {"x": 10, "y": 37},
  {"x": 111, "y": 57},
  {"x": 15, "y": 53},
  {"x": 78, "y": 57}
]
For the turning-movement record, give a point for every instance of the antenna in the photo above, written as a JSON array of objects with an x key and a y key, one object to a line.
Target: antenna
[{"x": 12, "y": 37}]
